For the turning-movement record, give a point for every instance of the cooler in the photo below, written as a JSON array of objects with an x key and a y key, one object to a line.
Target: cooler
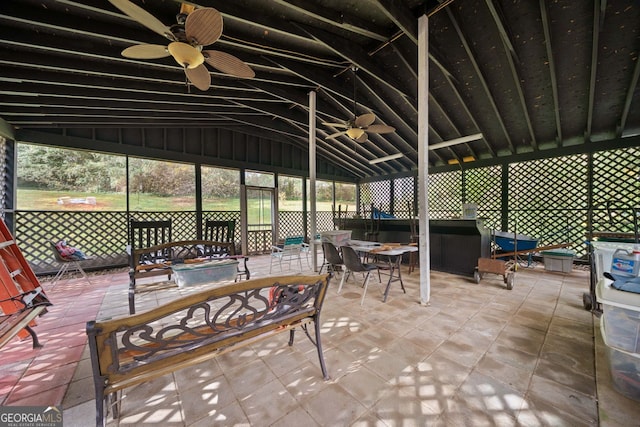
[{"x": 205, "y": 272}]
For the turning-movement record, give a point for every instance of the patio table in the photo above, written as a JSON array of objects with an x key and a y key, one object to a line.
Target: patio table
[{"x": 393, "y": 255}]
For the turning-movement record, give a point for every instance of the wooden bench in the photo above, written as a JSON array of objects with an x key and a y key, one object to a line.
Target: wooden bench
[
  {"x": 157, "y": 260},
  {"x": 35, "y": 304},
  {"x": 134, "y": 349}
]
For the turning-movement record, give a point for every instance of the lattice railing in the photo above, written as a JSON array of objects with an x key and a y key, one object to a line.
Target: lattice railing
[
  {"x": 103, "y": 235},
  {"x": 547, "y": 199}
]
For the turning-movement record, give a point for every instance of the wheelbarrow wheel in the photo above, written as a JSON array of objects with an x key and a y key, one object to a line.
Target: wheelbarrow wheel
[
  {"x": 587, "y": 301},
  {"x": 510, "y": 280},
  {"x": 477, "y": 276}
]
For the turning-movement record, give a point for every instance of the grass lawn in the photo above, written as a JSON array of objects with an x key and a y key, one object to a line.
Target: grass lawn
[{"x": 41, "y": 200}]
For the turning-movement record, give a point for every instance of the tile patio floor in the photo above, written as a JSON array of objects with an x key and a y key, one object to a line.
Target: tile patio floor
[{"x": 478, "y": 355}]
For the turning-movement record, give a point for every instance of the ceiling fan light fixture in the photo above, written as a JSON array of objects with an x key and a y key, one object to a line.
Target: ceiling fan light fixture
[
  {"x": 386, "y": 158},
  {"x": 186, "y": 55},
  {"x": 355, "y": 133},
  {"x": 467, "y": 159}
]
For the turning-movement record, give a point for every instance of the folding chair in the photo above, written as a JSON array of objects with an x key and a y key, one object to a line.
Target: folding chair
[
  {"x": 66, "y": 264},
  {"x": 332, "y": 259},
  {"x": 354, "y": 264},
  {"x": 290, "y": 250}
]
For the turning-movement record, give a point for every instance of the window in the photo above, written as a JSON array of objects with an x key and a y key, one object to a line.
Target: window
[
  {"x": 220, "y": 189},
  {"x": 161, "y": 186},
  {"x": 51, "y": 178}
]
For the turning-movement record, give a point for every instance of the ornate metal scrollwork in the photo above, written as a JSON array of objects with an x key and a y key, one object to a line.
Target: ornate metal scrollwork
[{"x": 213, "y": 320}]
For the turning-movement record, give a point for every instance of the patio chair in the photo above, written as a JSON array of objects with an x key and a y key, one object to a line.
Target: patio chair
[
  {"x": 145, "y": 234},
  {"x": 354, "y": 264},
  {"x": 224, "y": 231},
  {"x": 332, "y": 259},
  {"x": 67, "y": 261},
  {"x": 290, "y": 250}
]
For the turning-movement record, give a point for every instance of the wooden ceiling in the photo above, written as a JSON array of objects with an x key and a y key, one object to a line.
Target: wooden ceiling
[{"x": 529, "y": 75}]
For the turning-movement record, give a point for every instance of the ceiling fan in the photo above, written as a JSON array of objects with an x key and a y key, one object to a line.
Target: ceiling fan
[
  {"x": 358, "y": 126},
  {"x": 195, "y": 29}
]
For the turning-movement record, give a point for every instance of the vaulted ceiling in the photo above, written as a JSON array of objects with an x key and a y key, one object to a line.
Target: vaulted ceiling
[{"x": 528, "y": 75}]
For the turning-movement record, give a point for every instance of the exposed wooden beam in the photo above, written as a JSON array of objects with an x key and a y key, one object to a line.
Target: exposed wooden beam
[
  {"x": 511, "y": 58},
  {"x": 544, "y": 14}
]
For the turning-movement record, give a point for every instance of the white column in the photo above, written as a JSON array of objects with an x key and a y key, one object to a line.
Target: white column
[
  {"x": 423, "y": 158},
  {"x": 312, "y": 176}
]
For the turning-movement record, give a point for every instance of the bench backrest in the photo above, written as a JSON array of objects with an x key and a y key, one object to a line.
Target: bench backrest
[
  {"x": 220, "y": 231},
  {"x": 292, "y": 245},
  {"x": 179, "y": 251},
  {"x": 191, "y": 329}
]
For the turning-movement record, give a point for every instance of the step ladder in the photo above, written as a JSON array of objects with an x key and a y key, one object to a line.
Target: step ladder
[{"x": 20, "y": 291}]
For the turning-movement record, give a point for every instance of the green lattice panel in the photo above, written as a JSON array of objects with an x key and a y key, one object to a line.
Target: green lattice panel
[
  {"x": 616, "y": 179},
  {"x": 482, "y": 187},
  {"x": 378, "y": 193},
  {"x": 102, "y": 235},
  {"x": 558, "y": 183},
  {"x": 538, "y": 209},
  {"x": 324, "y": 222},
  {"x": 445, "y": 195},
  {"x": 403, "y": 197},
  {"x": 290, "y": 224}
]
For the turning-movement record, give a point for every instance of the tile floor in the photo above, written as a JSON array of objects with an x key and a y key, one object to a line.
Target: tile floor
[{"x": 477, "y": 355}]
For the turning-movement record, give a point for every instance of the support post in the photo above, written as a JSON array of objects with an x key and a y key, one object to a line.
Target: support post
[{"x": 423, "y": 158}]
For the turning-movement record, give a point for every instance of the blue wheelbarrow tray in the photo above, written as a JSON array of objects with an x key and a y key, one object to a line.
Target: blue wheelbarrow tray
[{"x": 508, "y": 241}]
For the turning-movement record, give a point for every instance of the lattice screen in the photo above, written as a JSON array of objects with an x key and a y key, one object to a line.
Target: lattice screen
[
  {"x": 482, "y": 187},
  {"x": 445, "y": 195},
  {"x": 616, "y": 177},
  {"x": 403, "y": 197},
  {"x": 378, "y": 193},
  {"x": 548, "y": 199}
]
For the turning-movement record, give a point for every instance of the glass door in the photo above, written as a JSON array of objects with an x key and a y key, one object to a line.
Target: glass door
[{"x": 260, "y": 218}]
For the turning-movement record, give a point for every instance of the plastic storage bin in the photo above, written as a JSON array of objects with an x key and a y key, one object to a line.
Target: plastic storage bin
[
  {"x": 558, "y": 260},
  {"x": 205, "y": 272},
  {"x": 624, "y": 366},
  {"x": 621, "y": 311},
  {"x": 337, "y": 237},
  {"x": 603, "y": 254}
]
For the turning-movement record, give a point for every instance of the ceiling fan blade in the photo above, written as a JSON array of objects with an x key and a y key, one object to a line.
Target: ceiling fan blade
[
  {"x": 203, "y": 26},
  {"x": 337, "y": 134},
  {"x": 362, "y": 138},
  {"x": 199, "y": 77},
  {"x": 380, "y": 129},
  {"x": 365, "y": 120},
  {"x": 228, "y": 64},
  {"x": 143, "y": 17},
  {"x": 336, "y": 125},
  {"x": 146, "y": 51}
]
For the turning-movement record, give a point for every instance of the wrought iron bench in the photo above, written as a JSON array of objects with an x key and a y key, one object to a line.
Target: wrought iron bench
[
  {"x": 135, "y": 349},
  {"x": 35, "y": 304},
  {"x": 157, "y": 260}
]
